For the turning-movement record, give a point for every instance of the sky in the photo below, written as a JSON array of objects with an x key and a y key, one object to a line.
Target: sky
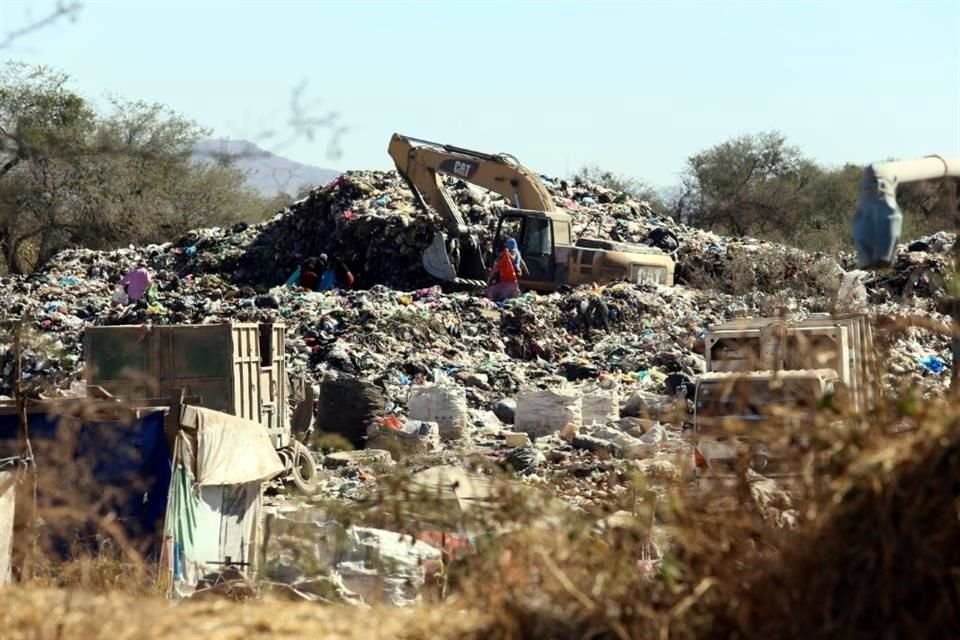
[{"x": 632, "y": 87}]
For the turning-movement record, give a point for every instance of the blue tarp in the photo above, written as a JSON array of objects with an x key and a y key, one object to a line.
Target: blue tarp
[{"x": 133, "y": 460}]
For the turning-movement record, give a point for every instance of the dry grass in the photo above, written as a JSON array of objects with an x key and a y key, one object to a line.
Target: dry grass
[
  {"x": 884, "y": 559},
  {"x": 876, "y": 552},
  {"x": 47, "y": 614}
]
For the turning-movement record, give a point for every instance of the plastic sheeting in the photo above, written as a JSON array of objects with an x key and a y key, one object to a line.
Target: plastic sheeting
[
  {"x": 230, "y": 450},
  {"x": 127, "y": 464},
  {"x": 208, "y": 527},
  {"x": 382, "y": 567},
  {"x": 8, "y": 492}
]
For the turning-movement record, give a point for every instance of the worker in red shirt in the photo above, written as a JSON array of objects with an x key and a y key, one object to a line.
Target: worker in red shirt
[
  {"x": 504, "y": 279},
  {"x": 308, "y": 275}
]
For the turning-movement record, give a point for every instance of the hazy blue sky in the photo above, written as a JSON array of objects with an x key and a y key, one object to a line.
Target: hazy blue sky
[{"x": 634, "y": 86}]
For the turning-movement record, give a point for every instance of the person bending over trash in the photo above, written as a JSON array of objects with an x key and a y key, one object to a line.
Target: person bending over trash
[
  {"x": 328, "y": 279},
  {"x": 504, "y": 280},
  {"x": 317, "y": 274},
  {"x": 344, "y": 279},
  {"x": 308, "y": 275},
  {"x": 137, "y": 282}
]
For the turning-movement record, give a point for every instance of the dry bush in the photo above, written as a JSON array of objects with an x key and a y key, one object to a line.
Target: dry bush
[
  {"x": 881, "y": 561},
  {"x": 743, "y": 270}
]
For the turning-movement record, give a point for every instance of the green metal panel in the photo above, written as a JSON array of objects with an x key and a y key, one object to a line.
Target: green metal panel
[
  {"x": 221, "y": 363},
  {"x": 201, "y": 352},
  {"x": 116, "y": 353}
]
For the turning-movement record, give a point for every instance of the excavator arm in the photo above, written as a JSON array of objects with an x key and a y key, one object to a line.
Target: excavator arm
[
  {"x": 877, "y": 222},
  {"x": 423, "y": 164}
]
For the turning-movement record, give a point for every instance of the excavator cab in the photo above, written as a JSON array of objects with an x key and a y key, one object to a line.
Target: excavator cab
[{"x": 544, "y": 242}]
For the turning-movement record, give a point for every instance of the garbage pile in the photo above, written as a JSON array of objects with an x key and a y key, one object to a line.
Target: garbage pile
[
  {"x": 490, "y": 350},
  {"x": 919, "y": 271},
  {"x": 578, "y": 389},
  {"x": 370, "y": 220}
]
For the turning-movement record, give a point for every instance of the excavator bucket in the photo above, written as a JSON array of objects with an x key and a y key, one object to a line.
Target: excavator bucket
[
  {"x": 459, "y": 262},
  {"x": 436, "y": 261}
]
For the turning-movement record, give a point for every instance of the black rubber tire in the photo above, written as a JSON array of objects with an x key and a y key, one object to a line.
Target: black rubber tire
[{"x": 303, "y": 470}]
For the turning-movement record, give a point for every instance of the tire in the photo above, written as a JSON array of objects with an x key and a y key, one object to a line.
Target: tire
[{"x": 303, "y": 471}]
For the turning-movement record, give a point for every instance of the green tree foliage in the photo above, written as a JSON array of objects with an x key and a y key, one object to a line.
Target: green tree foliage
[
  {"x": 744, "y": 185},
  {"x": 70, "y": 176}
]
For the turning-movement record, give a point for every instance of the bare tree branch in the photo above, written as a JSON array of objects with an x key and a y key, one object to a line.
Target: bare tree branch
[{"x": 61, "y": 10}]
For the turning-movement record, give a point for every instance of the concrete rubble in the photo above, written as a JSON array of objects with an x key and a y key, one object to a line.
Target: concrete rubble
[{"x": 452, "y": 377}]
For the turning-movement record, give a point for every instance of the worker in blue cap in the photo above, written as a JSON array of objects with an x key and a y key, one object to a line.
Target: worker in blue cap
[{"x": 514, "y": 252}]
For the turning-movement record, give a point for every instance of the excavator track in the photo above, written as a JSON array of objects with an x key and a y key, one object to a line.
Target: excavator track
[{"x": 465, "y": 284}]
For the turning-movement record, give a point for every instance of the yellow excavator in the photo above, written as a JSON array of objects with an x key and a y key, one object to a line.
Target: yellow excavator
[{"x": 542, "y": 230}]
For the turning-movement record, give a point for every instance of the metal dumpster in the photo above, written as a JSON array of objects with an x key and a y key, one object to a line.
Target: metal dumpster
[{"x": 236, "y": 368}]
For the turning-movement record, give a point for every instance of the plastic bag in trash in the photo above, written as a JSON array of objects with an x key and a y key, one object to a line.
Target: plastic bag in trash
[
  {"x": 933, "y": 364},
  {"x": 120, "y": 296},
  {"x": 445, "y": 404}
]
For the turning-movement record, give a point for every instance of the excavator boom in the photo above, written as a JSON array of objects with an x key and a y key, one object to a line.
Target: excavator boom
[
  {"x": 423, "y": 163},
  {"x": 543, "y": 231},
  {"x": 877, "y": 222}
]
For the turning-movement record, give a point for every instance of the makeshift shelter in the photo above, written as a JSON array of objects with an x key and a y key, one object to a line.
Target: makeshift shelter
[{"x": 220, "y": 463}]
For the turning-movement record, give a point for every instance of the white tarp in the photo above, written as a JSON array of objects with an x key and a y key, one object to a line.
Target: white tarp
[
  {"x": 8, "y": 491},
  {"x": 230, "y": 450},
  {"x": 206, "y": 526}
]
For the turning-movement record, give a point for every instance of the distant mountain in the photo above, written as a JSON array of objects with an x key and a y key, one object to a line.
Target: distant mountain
[{"x": 267, "y": 172}]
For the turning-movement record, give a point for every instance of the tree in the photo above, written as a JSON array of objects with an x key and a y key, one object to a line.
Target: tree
[
  {"x": 59, "y": 11},
  {"x": 72, "y": 177},
  {"x": 746, "y": 185},
  {"x": 759, "y": 185},
  {"x": 822, "y": 220},
  {"x": 929, "y": 206},
  {"x": 43, "y": 126}
]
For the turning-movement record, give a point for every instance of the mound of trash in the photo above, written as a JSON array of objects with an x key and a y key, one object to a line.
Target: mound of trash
[
  {"x": 370, "y": 220},
  {"x": 578, "y": 390}
]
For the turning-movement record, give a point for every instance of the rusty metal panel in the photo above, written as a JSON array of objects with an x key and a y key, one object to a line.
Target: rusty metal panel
[
  {"x": 200, "y": 351},
  {"x": 237, "y": 368},
  {"x": 281, "y": 381},
  {"x": 136, "y": 362},
  {"x": 271, "y": 376},
  {"x": 268, "y": 410}
]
